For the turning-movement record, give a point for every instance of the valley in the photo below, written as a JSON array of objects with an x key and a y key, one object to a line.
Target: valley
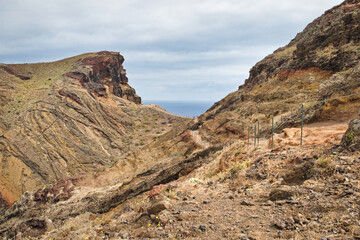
[{"x": 82, "y": 158}]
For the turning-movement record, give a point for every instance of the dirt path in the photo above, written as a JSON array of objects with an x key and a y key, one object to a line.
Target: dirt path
[
  {"x": 197, "y": 138},
  {"x": 312, "y": 135}
]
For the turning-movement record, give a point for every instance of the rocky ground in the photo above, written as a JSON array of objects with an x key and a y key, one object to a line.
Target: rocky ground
[
  {"x": 74, "y": 116},
  {"x": 310, "y": 192},
  {"x": 319, "y": 68},
  {"x": 83, "y": 159}
]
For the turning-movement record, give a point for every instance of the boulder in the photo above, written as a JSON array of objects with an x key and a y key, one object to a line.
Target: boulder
[
  {"x": 351, "y": 138},
  {"x": 158, "y": 206},
  {"x": 280, "y": 194}
]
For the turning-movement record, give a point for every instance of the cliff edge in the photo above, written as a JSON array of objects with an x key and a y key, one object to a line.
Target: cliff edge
[{"x": 70, "y": 117}]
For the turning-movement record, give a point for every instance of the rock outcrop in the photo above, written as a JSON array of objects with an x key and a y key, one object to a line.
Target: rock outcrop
[
  {"x": 318, "y": 68},
  {"x": 67, "y": 200},
  {"x": 73, "y": 127},
  {"x": 329, "y": 43},
  {"x": 73, "y": 116},
  {"x": 351, "y": 138},
  {"x": 103, "y": 74}
]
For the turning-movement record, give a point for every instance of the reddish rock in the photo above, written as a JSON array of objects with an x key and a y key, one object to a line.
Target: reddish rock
[
  {"x": 104, "y": 69},
  {"x": 156, "y": 190},
  {"x": 58, "y": 192}
]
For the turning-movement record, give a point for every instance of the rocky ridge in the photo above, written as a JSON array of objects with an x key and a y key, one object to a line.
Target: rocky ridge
[
  {"x": 103, "y": 74},
  {"x": 201, "y": 180},
  {"x": 319, "y": 68},
  {"x": 70, "y": 117}
]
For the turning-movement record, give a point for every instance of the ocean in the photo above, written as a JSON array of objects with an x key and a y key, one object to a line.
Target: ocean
[{"x": 182, "y": 108}]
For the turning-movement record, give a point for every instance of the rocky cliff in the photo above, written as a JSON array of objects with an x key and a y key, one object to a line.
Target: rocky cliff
[
  {"x": 148, "y": 174},
  {"x": 103, "y": 74},
  {"x": 73, "y": 116},
  {"x": 319, "y": 68}
]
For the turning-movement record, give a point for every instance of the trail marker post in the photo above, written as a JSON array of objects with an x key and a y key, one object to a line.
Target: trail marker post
[
  {"x": 272, "y": 134},
  {"x": 302, "y": 123},
  {"x": 248, "y": 136},
  {"x": 258, "y": 134},
  {"x": 255, "y": 135}
]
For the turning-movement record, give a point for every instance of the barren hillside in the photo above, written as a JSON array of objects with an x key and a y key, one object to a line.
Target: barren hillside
[
  {"x": 70, "y": 117},
  {"x": 103, "y": 166}
]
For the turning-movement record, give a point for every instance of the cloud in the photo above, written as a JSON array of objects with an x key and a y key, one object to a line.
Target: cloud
[{"x": 206, "y": 45}]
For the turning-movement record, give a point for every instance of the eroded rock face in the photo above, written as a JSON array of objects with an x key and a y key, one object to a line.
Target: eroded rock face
[
  {"x": 77, "y": 115},
  {"x": 321, "y": 45},
  {"x": 66, "y": 199},
  {"x": 105, "y": 70},
  {"x": 318, "y": 68},
  {"x": 69, "y": 131}
]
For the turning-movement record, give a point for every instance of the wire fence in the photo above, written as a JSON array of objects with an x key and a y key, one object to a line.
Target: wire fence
[{"x": 255, "y": 127}]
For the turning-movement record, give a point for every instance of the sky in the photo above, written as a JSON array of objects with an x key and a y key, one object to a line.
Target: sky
[{"x": 194, "y": 50}]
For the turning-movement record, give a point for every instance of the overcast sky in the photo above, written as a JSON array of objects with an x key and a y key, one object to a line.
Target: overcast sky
[{"x": 173, "y": 49}]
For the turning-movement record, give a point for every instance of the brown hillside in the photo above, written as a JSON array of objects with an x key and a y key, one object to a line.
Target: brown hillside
[
  {"x": 69, "y": 117},
  {"x": 120, "y": 170},
  {"x": 317, "y": 68}
]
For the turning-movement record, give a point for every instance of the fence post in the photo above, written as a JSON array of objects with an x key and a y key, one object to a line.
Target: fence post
[
  {"x": 302, "y": 123},
  {"x": 258, "y": 135},
  {"x": 248, "y": 136},
  {"x": 255, "y": 135},
  {"x": 272, "y": 134}
]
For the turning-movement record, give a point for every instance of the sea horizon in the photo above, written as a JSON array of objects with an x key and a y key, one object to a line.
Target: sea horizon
[{"x": 186, "y": 108}]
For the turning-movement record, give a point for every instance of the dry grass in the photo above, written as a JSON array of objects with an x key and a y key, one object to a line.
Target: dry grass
[
  {"x": 42, "y": 77},
  {"x": 287, "y": 52}
]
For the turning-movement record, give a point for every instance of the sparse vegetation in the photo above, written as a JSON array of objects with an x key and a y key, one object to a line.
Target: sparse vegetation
[
  {"x": 237, "y": 166},
  {"x": 175, "y": 154},
  {"x": 349, "y": 137},
  {"x": 238, "y": 153},
  {"x": 170, "y": 194},
  {"x": 324, "y": 161},
  {"x": 289, "y": 192}
]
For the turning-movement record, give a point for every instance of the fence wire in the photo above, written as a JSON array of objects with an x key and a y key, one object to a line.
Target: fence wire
[{"x": 256, "y": 125}]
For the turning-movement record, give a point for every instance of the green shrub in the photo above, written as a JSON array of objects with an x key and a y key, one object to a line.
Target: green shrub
[
  {"x": 324, "y": 161},
  {"x": 175, "y": 154},
  {"x": 349, "y": 137}
]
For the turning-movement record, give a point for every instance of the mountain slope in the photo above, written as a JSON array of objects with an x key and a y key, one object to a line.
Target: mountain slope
[
  {"x": 318, "y": 67},
  {"x": 77, "y": 115},
  {"x": 204, "y": 181}
]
